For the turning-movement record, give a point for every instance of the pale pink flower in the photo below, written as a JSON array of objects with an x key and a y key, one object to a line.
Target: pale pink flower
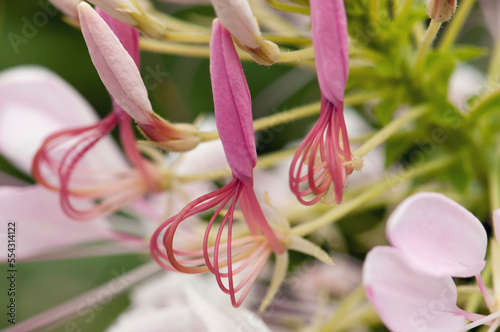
[
  {"x": 407, "y": 299},
  {"x": 410, "y": 284},
  {"x": 322, "y": 160}
]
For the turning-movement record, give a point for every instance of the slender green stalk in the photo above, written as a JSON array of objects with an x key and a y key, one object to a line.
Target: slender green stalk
[
  {"x": 371, "y": 193},
  {"x": 494, "y": 184},
  {"x": 429, "y": 36},
  {"x": 475, "y": 110},
  {"x": 402, "y": 14},
  {"x": 287, "y": 7},
  {"x": 389, "y": 130},
  {"x": 165, "y": 47},
  {"x": 456, "y": 24},
  {"x": 374, "y": 10},
  {"x": 494, "y": 68},
  {"x": 294, "y": 114},
  {"x": 347, "y": 305}
]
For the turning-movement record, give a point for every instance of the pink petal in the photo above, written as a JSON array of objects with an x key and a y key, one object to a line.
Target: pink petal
[
  {"x": 330, "y": 41},
  {"x": 34, "y": 103},
  {"x": 116, "y": 68},
  {"x": 41, "y": 225},
  {"x": 438, "y": 236},
  {"x": 237, "y": 17},
  {"x": 127, "y": 35},
  {"x": 407, "y": 300},
  {"x": 233, "y": 106}
]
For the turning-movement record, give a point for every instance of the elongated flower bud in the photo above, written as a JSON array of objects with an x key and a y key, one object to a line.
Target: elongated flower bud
[{"x": 441, "y": 10}]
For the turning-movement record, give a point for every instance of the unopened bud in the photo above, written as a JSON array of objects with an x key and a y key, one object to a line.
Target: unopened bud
[
  {"x": 441, "y": 10},
  {"x": 266, "y": 53},
  {"x": 237, "y": 17}
]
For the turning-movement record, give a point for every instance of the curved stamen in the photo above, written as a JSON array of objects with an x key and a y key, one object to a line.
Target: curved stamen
[{"x": 324, "y": 152}]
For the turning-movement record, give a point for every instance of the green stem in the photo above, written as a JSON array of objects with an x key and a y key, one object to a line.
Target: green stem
[
  {"x": 429, "y": 36},
  {"x": 389, "y": 130},
  {"x": 371, "y": 193},
  {"x": 455, "y": 25},
  {"x": 403, "y": 13},
  {"x": 494, "y": 68},
  {"x": 480, "y": 104},
  {"x": 287, "y": 7},
  {"x": 374, "y": 10},
  {"x": 345, "y": 307},
  {"x": 494, "y": 184},
  {"x": 294, "y": 114}
]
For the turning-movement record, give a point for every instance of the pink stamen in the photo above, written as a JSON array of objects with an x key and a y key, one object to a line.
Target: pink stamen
[
  {"x": 56, "y": 166},
  {"x": 324, "y": 143},
  {"x": 252, "y": 251}
]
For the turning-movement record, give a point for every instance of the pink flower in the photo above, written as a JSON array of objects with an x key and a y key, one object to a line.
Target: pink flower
[
  {"x": 120, "y": 75},
  {"x": 234, "y": 122},
  {"x": 407, "y": 299},
  {"x": 321, "y": 161},
  {"x": 60, "y": 162},
  {"x": 236, "y": 263},
  {"x": 410, "y": 284}
]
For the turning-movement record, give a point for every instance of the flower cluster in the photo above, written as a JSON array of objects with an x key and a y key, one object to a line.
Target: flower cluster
[{"x": 204, "y": 193}]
